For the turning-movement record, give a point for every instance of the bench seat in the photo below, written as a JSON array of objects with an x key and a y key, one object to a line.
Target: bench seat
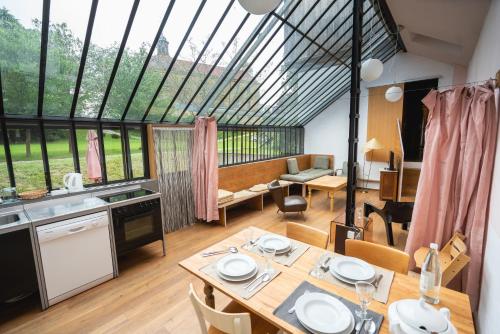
[{"x": 307, "y": 175}]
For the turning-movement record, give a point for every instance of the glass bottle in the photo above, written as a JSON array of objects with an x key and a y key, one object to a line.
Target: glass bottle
[{"x": 430, "y": 277}]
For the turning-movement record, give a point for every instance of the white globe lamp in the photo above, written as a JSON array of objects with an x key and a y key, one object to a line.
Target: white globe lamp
[
  {"x": 371, "y": 69},
  {"x": 393, "y": 94},
  {"x": 259, "y": 7}
]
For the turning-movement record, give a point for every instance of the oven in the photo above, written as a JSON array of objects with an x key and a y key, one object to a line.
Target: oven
[{"x": 137, "y": 224}]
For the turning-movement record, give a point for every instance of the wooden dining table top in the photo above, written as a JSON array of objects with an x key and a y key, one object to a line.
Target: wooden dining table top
[
  {"x": 328, "y": 182},
  {"x": 275, "y": 292}
]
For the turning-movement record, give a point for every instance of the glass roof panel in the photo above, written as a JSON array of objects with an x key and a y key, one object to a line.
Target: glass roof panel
[
  {"x": 109, "y": 27},
  {"x": 177, "y": 25},
  {"x": 146, "y": 24},
  {"x": 20, "y": 26},
  {"x": 68, "y": 25},
  {"x": 189, "y": 53}
]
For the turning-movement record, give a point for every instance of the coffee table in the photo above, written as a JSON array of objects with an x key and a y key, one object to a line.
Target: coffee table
[{"x": 327, "y": 183}]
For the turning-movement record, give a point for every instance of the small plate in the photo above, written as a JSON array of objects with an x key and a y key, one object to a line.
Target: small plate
[
  {"x": 274, "y": 241},
  {"x": 322, "y": 313},
  {"x": 238, "y": 279},
  {"x": 236, "y": 266},
  {"x": 352, "y": 268},
  {"x": 346, "y": 280}
]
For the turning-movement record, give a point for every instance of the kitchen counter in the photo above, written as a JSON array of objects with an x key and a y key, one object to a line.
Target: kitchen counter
[
  {"x": 22, "y": 223},
  {"x": 47, "y": 211}
]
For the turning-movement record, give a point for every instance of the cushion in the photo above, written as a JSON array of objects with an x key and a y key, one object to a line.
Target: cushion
[
  {"x": 224, "y": 196},
  {"x": 307, "y": 175},
  {"x": 293, "y": 167},
  {"x": 321, "y": 162}
]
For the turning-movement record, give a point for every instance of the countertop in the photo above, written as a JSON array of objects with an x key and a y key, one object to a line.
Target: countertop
[
  {"x": 22, "y": 223},
  {"x": 63, "y": 207}
]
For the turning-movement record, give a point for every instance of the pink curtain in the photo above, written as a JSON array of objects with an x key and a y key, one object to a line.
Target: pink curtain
[
  {"x": 93, "y": 160},
  {"x": 454, "y": 185},
  {"x": 205, "y": 169}
]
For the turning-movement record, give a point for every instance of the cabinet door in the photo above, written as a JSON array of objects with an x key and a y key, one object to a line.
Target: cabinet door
[{"x": 388, "y": 186}]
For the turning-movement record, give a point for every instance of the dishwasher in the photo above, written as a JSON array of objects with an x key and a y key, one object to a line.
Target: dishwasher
[{"x": 75, "y": 254}]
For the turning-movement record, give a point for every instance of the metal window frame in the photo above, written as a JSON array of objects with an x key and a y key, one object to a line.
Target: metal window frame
[{"x": 43, "y": 55}]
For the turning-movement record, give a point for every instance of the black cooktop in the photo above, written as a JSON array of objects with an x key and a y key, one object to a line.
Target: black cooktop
[{"x": 126, "y": 195}]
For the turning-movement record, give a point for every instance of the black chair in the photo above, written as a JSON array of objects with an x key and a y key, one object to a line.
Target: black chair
[
  {"x": 392, "y": 212},
  {"x": 285, "y": 204}
]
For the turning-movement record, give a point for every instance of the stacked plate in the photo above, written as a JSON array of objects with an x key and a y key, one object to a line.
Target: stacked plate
[
  {"x": 236, "y": 267},
  {"x": 320, "y": 313},
  {"x": 274, "y": 241},
  {"x": 351, "y": 270}
]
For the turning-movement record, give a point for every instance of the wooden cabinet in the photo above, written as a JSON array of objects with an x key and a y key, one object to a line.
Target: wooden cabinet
[{"x": 388, "y": 185}]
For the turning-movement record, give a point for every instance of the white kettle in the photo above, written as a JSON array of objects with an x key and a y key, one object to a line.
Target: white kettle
[{"x": 73, "y": 182}]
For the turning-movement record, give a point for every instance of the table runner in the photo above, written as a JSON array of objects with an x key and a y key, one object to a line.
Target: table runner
[
  {"x": 239, "y": 287},
  {"x": 282, "y": 310},
  {"x": 381, "y": 293}
]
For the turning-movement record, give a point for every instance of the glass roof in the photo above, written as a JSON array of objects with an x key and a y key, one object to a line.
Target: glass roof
[{"x": 169, "y": 61}]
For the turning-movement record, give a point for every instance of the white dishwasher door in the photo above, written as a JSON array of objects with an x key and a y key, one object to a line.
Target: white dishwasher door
[{"x": 76, "y": 255}]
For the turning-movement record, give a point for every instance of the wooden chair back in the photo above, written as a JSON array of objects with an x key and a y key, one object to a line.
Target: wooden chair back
[
  {"x": 230, "y": 323},
  {"x": 453, "y": 258},
  {"x": 307, "y": 234},
  {"x": 379, "y": 255}
]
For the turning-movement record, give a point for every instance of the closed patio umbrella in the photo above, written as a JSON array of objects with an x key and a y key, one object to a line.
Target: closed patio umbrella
[{"x": 93, "y": 159}]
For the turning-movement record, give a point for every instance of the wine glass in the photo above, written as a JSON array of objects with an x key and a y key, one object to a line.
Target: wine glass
[
  {"x": 365, "y": 292},
  {"x": 248, "y": 234},
  {"x": 269, "y": 254}
]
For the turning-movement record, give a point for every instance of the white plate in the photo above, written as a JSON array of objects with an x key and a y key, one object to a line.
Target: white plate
[
  {"x": 347, "y": 331},
  {"x": 322, "y": 313},
  {"x": 238, "y": 279},
  {"x": 236, "y": 265},
  {"x": 274, "y": 241},
  {"x": 346, "y": 280},
  {"x": 352, "y": 268}
]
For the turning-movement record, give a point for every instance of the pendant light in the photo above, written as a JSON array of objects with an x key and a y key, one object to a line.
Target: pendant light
[
  {"x": 372, "y": 68},
  {"x": 259, "y": 7},
  {"x": 394, "y": 93}
]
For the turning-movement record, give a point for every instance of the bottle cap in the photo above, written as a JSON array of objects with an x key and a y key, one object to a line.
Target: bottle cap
[{"x": 434, "y": 246}]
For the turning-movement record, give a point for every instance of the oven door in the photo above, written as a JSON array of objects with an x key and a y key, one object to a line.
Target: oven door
[{"x": 137, "y": 225}]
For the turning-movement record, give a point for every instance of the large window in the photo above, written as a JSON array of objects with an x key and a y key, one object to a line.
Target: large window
[
  {"x": 40, "y": 162},
  {"x": 238, "y": 145}
]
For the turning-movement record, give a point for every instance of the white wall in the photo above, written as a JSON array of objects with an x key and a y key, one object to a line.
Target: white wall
[
  {"x": 483, "y": 65},
  {"x": 328, "y": 132}
]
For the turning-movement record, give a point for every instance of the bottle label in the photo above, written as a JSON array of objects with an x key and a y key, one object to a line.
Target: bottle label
[{"x": 426, "y": 281}]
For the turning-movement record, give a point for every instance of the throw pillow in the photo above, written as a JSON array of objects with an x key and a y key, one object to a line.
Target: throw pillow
[
  {"x": 293, "y": 167},
  {"x": 321, "y": 162}
]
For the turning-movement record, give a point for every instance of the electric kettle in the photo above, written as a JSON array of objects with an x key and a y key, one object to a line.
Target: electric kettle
[{"x": 73, "y": 182}]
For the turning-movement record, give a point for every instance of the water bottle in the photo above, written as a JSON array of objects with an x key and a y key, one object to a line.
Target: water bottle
[{"x": 430, "y": 278}]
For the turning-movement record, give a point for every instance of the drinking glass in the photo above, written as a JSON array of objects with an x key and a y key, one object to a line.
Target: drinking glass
[
  {"x": 269, "y": 254},
  {"x": 317, "y": 271},
  {"x": 248, "y": 234},
  {"x": 365, "y": 293}
]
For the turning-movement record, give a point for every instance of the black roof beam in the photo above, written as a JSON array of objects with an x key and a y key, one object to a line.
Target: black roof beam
[
  {"x": 83, "y": 59},
  {"x": 118, "y": 57},
  {"x": 174, "y": 59},
  {"x": 148, "y": 58}
]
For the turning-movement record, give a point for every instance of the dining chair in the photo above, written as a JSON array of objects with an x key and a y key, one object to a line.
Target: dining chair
[
  {"x": 379, "y": 255},
  {"x": 452, "y": 257},
  {"x": 307, "y": 234},
  {"x": 233, "y": 319}
]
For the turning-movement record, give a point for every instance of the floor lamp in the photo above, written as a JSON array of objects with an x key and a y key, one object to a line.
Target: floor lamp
[{"x": 372, "y": 145}]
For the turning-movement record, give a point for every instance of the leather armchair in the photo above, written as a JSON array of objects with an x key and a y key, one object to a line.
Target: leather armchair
[{"x": 285, "y": 204}]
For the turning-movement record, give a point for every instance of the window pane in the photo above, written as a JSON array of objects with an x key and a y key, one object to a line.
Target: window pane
[
  {"x": 26, "y": 154},
  {"x": 88, "y": 154},
  {"x": 113, "y": 154},
  {"x": 20, "y": 54},
  {"x": 146, "y": 23},
  {"x": 4, "y": 174},
  {"x": 135, "y": 143},
  {"x": 109, "y": 26},
  {"x": 68, "y": 23},
  {"x": 60, "y": 154}
]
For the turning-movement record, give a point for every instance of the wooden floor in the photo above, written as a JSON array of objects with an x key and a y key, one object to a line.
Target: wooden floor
[{"x": 150, "y": 296}]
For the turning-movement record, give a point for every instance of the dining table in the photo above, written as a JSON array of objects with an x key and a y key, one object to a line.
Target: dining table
[{"x": 272, "y": 295}]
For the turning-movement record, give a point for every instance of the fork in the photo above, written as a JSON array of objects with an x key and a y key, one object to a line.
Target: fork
[{"x": 292, "y": 309}]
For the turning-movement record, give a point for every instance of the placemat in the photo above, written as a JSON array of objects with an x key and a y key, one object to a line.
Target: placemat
[
  {"x": 282, "y": 310},
  {"x": 284, "y": 259},
  {"x": 384, "y": 286},
  {"x": 239, "y": 287}
]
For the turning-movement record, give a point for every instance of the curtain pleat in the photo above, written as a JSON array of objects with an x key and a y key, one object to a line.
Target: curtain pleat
[{"x": 174, "y": 168}]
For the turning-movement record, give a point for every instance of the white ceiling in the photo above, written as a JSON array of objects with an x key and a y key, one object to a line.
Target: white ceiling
[{"x": 444, "y": 30}]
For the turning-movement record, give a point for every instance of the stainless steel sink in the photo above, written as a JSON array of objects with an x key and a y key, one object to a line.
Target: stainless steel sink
[{"x": 9, "y": 219}]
